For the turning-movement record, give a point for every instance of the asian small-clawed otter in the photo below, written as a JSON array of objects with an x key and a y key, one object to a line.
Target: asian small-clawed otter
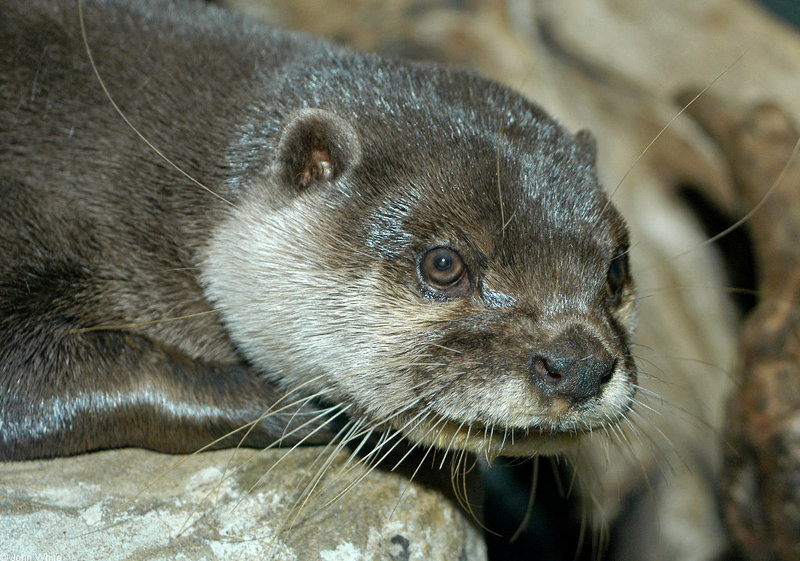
[{"x": 335, "y": 239}]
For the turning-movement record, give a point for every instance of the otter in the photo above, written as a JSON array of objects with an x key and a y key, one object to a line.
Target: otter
[{"x": 209, "y": 224}]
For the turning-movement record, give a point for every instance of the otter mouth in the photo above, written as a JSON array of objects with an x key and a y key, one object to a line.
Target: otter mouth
[{"x": 491, "y": 441}]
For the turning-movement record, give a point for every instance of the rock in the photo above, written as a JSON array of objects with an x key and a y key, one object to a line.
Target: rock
[{"x": 135, "y": 504}]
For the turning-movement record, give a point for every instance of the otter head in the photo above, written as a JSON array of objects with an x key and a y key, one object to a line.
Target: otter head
[{"x": 454, "y": 274}]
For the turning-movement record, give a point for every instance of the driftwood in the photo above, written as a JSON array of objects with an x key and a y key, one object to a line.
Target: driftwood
[{"x": 761, "y": 483}]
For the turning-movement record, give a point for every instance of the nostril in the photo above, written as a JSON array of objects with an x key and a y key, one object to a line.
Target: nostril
[{"x": 540, "y": 367}]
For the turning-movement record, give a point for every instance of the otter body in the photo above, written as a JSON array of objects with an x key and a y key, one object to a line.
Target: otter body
[{"x": 327, "y": 236}]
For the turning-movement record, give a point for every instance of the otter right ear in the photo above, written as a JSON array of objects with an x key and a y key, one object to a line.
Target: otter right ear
[{"x": 316, "y": 146}]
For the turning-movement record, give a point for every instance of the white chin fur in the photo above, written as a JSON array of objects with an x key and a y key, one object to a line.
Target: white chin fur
[{"x": 301, "y": 320}]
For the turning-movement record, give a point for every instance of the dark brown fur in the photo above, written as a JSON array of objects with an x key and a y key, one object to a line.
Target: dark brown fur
[{"x": 109, "y": 334}]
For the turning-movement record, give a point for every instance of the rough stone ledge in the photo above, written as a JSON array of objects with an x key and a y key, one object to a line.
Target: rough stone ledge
[{"x": 137, "y": 505}]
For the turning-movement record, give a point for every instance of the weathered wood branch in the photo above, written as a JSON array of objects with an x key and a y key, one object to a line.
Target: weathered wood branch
[{"x": 761, "y": 471}]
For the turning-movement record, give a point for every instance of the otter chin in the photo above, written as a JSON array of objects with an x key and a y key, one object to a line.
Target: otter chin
[{"x": 491, "y": 442}]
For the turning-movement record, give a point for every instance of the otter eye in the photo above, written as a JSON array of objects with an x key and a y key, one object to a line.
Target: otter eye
[
  {"x": 617, "y": 277},
  {"x": 442, "y": 267}
]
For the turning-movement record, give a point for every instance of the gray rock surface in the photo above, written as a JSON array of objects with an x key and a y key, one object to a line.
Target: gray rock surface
[{"x": 134, "y": 504}]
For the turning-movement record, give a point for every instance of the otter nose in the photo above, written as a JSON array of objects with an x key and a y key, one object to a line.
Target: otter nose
[{"x": 575, "y": 366}]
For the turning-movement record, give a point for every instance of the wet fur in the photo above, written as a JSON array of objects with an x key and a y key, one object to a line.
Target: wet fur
[{"x": 289, "y": 279}]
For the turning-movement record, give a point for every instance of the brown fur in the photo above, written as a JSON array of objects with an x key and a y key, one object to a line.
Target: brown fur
[{"x": 138, "y": 309}]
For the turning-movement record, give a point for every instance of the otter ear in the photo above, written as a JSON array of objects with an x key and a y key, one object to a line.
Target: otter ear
[
  {"x": 587, "y": 144},
  {"x": 316, "y": 146}
]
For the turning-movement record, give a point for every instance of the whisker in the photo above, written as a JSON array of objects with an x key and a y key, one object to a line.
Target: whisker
[
  {"x": 125, "y": 118},
  {"x": 531, "y": 498},
  {"x": 456, "y": 351},
  {"x": 228, "y": 472},
  {"x": 291, "y": 449},
  {"x": 752, "y": 211},
  {"x": 666, "y": 126},
  {"x": 499, "y": 183},
  {"x": 132, "y": 325}
]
